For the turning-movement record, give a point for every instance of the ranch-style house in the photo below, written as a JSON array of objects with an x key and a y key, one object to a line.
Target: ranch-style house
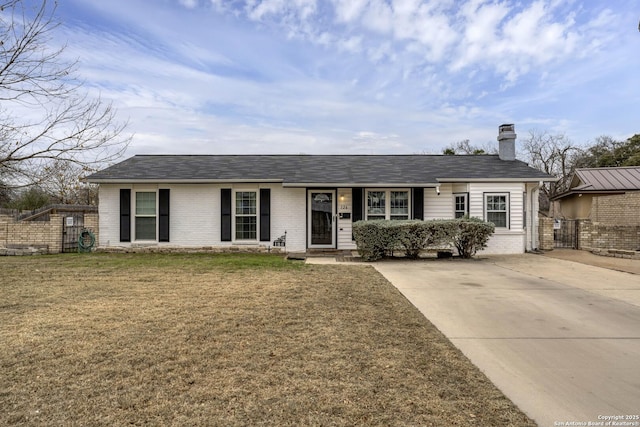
[{"x": 192, "y": 201}]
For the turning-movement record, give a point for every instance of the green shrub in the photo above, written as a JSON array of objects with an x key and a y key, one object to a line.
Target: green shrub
[
  {"x": 415, "y": 236},
  {"x": 375, "y": 239},
  {"x": 472, "y": 235}
]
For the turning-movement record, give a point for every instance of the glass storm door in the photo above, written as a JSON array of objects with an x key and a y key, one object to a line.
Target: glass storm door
[{"x": 321, "y": 219}]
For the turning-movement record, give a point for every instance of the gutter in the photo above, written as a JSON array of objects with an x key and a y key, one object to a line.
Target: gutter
[
  {"x": 550, "y": 179},
  {"x": 174, "y": 181}
]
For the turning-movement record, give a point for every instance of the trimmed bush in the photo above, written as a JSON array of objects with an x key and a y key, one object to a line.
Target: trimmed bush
[
  {"x": 373, "y": 238},
  {"x": 376, "y": 239},
  {"x": 415, "y": 236},
  {"x": 472, "y": 235}
]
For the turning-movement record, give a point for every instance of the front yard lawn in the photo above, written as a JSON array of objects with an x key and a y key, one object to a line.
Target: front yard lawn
[{"x": 219, "y": 339}]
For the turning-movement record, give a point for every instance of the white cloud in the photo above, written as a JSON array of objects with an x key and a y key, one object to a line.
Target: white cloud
[
  {"x": 395, "y": 76},
  {"x": 301, "y": 9},
  {"x": 349, "y": 10},
  {"x": 189, "y": 4},
  {"x": 352, "y": 44},
  {"x": 378, "y": 16}
]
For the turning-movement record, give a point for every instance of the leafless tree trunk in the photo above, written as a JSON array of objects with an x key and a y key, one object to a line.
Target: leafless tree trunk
[
  {"x": 554, "y": 154},
  {"x": 45, "y": 116}
]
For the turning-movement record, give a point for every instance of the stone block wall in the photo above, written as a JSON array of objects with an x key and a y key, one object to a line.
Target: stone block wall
[
  {"x": 545, "y": 233},
  {"x": 625, "y": 237},
  {"x": 596, "y": 235},
  {"x": 91, "y": 221},
  {"x": 45, "y": 236},
  {"x": 36, "y": 237},
  {"x": 620, "y": 209},
  {"x": 585, "y": 233}
]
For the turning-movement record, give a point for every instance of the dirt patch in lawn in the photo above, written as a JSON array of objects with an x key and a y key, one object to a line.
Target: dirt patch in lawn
[{"x": 217, "y": 340}]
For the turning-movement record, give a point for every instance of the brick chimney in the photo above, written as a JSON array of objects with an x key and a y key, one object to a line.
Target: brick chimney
[{"x": 507, "y": 142}]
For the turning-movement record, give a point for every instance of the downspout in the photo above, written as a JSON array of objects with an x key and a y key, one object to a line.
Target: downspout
[{"x": 534, "y": 222}]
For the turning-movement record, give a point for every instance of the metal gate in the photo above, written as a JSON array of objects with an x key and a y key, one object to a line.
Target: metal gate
[
  {"x": 565, "y": 234},
  {"x": 72, "y": 226}
]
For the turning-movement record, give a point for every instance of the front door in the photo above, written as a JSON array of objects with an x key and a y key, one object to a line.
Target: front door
[{"x": 322, "y": 219}]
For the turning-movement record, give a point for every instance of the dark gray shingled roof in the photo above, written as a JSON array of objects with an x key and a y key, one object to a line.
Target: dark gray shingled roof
[{"x": 317, "y": 169}]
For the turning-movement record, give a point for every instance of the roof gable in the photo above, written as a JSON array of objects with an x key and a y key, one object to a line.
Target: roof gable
[{"x": 317, "y": 169}]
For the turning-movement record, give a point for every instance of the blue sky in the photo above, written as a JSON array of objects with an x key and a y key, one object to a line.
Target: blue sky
[{"x": 356, "y": 76}]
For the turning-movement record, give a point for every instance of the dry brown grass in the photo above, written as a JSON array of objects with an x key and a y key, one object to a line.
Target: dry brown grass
[{"x": 217, "y": 340}]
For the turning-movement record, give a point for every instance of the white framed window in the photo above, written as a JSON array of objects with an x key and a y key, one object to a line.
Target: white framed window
[
  {"x": 496, "y": 209},
  {"x": 376, "y": 205},
  {"x": 145, "y": 221},
  {"x": 460, "y": 205},
  {"x": 246, "y": 215},
  {"x": 387, "y": 204}
]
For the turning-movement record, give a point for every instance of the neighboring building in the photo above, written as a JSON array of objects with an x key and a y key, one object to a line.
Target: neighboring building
[
  {"x": 587, "y": 183},
  {"x": 234, "y": 200}
]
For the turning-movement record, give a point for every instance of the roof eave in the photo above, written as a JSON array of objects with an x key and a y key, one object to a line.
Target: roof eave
[
  {"x": 573, "y": 192},
  {"x": 174, "y": 181},
  {"x": 514, "y": 179},
  {"x": 358, "y": 184}
]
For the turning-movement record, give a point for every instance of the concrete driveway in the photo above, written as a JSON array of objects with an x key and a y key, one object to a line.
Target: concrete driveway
[{"x": 559, "y": 338}]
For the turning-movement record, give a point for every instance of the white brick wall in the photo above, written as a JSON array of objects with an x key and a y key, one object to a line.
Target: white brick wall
[
  {"x": 109, "y": 215},
  {"x": 289, "y": 212},
  {"x": 503, "y": 242},
  {"x": 195, "y": 214}
]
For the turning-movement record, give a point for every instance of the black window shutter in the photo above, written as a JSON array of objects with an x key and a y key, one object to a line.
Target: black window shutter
[
  {"x": 265, "y": 214},
  {"x": 418, "y": 203},
  {"x": 163, "y": 220},
  {"x": 125, "y": 215},
  {"x": 225, "y": 214},
  {"x": 356, "y": 204}
]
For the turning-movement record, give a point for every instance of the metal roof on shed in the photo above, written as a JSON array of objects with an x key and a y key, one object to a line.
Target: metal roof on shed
[{"x": 606, "y": 179}]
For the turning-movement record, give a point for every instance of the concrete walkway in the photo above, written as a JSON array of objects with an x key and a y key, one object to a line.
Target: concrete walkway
[
  {"x": 561, "y": 339},
  {"x": 585, "y": 257}
]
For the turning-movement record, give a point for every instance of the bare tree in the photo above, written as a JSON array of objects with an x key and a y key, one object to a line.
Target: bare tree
[
  {"x": 554, "y": 154},
  {"x": 465, "y": 147},
  {"x": 45, "y": 116},
  {"x": 64, "y": 187}
]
